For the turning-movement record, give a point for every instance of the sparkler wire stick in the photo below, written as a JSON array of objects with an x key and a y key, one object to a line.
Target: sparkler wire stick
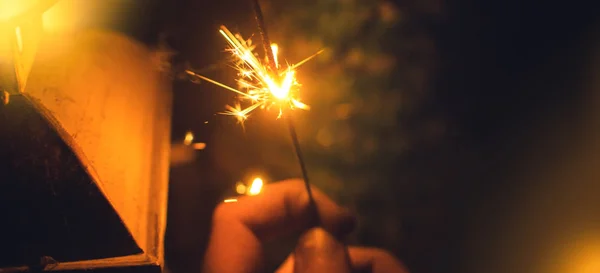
[
  {"x": 271, "y": 61},
  {"x": 298, "y": 151},
  {"x": 260, "y": 22}
]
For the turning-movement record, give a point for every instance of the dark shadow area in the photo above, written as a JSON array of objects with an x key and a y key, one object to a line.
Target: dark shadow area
[{"x": 49, "y": 205}]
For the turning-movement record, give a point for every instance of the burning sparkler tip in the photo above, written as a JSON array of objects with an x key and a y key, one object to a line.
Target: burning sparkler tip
[{"x": 258, "y": 82}]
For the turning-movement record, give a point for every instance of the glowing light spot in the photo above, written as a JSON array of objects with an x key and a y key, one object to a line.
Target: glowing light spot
[
  {"x": 585, "y": 257},
  {"x": 240, "y": 188},
  {"x": 5, "y": 97},
  {"x": 275, "y": 49},
  {"x": 19, "y": 39},
  {"x": 230, "y": 200},
  {"x": 199, "y": 146},
  {"x": 256, "y": 186},
  {"x": 189, "y": 138}
]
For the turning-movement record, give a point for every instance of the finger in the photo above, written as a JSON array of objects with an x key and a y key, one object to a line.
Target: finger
[
  {"x": 362, "y": 259},
  {"x": 287, "y": 265},
  {"x": 281, "y": 208},
  {"x": 319, "y": 251},
  {"x": 284, "y": 207}
]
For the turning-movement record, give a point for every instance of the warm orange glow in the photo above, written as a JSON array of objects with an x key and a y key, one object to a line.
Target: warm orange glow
[
  {"x": 256, "y": 186},
  {"x": 11, "y": 8},
  {"x": 21, "y": 34},
  {"x": 259, "y": 84},
  {"x": 577, "y": 253},
  {"x": 189, "y": 141},
  {"x": 586, "y": 259},
  {"x": 199, "y": 146},
  {"x": 125, "y": 144},
  {"x": 5, "y": 97},
  {"x": 67, "y": 16},
  {"x": 19, "y": 39},
  {"x": 230, "y": 200}
]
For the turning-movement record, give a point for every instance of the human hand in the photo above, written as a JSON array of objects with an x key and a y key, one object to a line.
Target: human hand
[{"x": 240, "y": 228}]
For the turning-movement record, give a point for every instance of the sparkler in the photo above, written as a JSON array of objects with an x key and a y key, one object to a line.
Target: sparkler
[{"x": 264, "y": 84}]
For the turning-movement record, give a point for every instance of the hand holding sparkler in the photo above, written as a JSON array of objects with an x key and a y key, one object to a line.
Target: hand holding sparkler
[
  {"x": 264, "y": 84},
  {"x": 240, "y": 228}
]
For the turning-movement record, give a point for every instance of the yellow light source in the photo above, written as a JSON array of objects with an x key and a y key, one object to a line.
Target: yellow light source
[
  {"x": 230, "y": 200},
  {"x": 20, "y": 33},
  {"x": 256, "y": 186}
]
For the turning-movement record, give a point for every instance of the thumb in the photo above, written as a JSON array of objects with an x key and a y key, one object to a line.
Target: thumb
[{"x": 318, "y": 251}]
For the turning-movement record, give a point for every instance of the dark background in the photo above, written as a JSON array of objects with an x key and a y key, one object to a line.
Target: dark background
[{"x": 486, "y": 125}]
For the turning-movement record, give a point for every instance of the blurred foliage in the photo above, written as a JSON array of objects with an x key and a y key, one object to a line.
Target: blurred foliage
[{"x": 363, "y": 92}]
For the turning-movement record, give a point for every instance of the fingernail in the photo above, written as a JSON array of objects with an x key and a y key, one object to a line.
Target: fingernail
[{"x": 319, "y": 251}]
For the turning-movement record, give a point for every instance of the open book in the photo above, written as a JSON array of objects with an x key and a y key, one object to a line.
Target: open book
[{"x": 84, "y": 150}]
